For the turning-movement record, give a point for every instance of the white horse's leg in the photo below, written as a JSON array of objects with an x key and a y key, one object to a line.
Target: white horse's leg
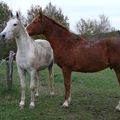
[
  {"x": 32, "y": 88},
  {"x": 37, "y": 84},
  {"x": 22, "y": 83},
  {"x": 51, "y": 80}
]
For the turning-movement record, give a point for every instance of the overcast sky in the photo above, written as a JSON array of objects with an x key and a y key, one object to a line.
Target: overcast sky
[{"x": 75, "y": 9}]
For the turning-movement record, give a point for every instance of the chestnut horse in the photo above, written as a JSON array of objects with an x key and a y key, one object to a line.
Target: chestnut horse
[{"x": 73, "y": 53}]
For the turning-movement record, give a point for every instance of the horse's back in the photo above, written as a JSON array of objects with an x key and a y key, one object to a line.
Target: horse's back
[
  {"x": 42, "y": 41},
  {"x": 44, "y": 52},
  {"x": 43, "y": 44}
]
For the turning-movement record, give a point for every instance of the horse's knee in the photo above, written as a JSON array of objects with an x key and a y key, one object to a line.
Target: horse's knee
[
  {"x": 22, "y": 86},
  {"x": 32, "y": 87}
]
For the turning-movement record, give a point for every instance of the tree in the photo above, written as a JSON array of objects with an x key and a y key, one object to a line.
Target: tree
[
  {"x": 4, "y": 14},
  {"x": 50, "y": 11},
  {"x": 33, "y": 12},
  {"x": 104, "y": 24},
  {"x": 56, "y": 14},
  {"x": 90, "y": 27}
]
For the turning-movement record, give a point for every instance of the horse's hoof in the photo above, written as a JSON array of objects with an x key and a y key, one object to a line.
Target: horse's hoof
[
  {"x": 21, "y": 104},
  {"x": 21, "y": 107},
  {"x": 117, "y": 108},
  {"x": 52, "y": 94},
  {"x": 65, "y": 104},
  {"x": 36, "y": 94},
  {"x": 32, "y": 105}
]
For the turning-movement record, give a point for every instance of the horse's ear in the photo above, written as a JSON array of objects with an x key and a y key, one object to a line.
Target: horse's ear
[
  {"x": 17, "y": 15},
  {"x": 11, "y": 14},
  {"x": 40, "y": 13}
]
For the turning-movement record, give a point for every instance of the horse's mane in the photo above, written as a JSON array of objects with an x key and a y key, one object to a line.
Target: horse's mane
[{"x": 58, "y": 24}]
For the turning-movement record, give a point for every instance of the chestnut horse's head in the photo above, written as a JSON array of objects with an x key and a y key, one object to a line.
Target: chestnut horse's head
[{"x": 37, "y": 26}]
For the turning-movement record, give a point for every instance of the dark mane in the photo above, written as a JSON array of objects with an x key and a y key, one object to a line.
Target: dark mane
[
  {"x": 77, "y": 37},
  {"x": 58, "y": 24}
]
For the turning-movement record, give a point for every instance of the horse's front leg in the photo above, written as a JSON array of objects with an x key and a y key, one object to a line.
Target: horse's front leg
[
  {"x": 37, "y": 84},
  {"x": 117, "y": 71},
  {"x": 67, "y": 82},
  {"x": 22, "y": 83},
  {"x": 32, "y": 88}
]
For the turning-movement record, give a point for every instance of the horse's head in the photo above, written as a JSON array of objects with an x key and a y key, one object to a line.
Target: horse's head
[
  {"x": 12, "y": 28},
  {"x": 37, "y": 26}
]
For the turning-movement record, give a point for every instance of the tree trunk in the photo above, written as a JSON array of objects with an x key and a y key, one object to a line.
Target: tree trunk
[{"x": 9, "y": 69}]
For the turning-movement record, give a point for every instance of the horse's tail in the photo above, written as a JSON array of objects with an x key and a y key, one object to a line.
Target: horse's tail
[{"x": 51, "y": 64}]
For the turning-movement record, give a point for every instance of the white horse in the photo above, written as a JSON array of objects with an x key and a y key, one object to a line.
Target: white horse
[{"x": 32, "y": 56}]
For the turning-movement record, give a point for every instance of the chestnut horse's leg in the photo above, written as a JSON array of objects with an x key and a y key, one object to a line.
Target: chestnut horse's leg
[
  {"x": 118, "y": 76},
  {"x": 67, "y": 82}
]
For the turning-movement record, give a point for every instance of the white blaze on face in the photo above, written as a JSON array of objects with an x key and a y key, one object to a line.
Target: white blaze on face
[{"x": 11, "y": 29}]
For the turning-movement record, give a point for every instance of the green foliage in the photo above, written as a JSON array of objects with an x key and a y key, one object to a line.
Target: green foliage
[
  {"x": 33, "y": 12},
  {"x": 104, "y": 35},
  {"x": 94, "y": 97},
  {"x": 6, "y": 47},
  {"x": 90, "y": 27},
  {"x": 4, "y": 14},
  {"x": 50, "y": 11}
]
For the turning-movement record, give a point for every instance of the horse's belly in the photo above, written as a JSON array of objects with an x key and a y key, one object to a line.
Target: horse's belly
[
  {"x": 90, "y": 62},
  {"x": 91, "y": 66}
]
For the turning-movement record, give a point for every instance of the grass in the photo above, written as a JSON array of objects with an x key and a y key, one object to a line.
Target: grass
[{"x": 94, "y": 97}]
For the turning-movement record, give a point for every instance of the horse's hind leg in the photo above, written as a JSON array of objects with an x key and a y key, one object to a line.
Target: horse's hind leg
[
  {"x": 51, "y": 79},
  {"x": 118, "y": 77},
  {"x": 37, "y": 84}
]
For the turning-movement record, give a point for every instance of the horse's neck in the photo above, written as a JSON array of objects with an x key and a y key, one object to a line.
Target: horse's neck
[
  {"x": 55, "y": 34},
  {"x": 55, "y": 28},
  {"x": 23, "y": 40}
]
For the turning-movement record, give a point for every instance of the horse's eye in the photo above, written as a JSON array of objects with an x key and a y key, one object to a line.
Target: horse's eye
[
  {"x": 15, "y": 24},
  {"x": 34, "y": 22}
]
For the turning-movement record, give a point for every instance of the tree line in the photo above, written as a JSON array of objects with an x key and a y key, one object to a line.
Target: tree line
[{"x": 88, "y": 28}]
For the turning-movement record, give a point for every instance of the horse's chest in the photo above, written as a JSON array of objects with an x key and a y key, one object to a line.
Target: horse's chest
[{"x": 22, "y": 60}]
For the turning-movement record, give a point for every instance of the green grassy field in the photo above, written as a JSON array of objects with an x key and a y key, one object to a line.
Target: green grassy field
[{"x": 94, "y": 97}]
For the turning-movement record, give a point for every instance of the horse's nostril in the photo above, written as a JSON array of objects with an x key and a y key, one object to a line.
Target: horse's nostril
[{"x": 3, "y": 36}]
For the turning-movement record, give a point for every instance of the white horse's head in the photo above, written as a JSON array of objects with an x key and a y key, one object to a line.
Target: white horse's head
[{"x": 12, "y": 28}]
